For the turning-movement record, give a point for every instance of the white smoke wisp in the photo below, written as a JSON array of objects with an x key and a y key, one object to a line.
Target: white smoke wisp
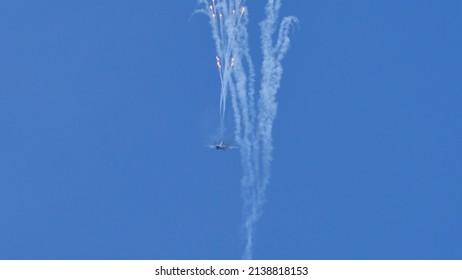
[{"x": 253, "y": 118}]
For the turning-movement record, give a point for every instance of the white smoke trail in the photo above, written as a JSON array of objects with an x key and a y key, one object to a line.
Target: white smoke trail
[
  {"x": 253, "y": 121},
  {"x": 267, "y": 106}
]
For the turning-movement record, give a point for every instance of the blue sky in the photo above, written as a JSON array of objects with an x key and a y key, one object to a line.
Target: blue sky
[{"x": 105, "y": 108}]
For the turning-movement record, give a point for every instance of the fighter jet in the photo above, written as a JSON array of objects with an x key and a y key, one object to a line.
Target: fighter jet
[{"x": 222, "y": 146}]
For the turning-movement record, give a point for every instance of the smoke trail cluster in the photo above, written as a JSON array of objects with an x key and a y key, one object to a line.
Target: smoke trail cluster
[{"x": 254, "y": 114}]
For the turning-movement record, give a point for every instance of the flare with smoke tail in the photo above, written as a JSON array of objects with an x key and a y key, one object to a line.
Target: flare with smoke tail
[{"x": 254, "y": 112}]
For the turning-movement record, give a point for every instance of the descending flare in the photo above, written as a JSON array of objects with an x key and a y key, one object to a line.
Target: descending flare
[{"x": 218, "y": 62}]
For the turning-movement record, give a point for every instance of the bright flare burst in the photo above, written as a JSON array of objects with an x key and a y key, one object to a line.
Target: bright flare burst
[{"x": 253, "y": 119}]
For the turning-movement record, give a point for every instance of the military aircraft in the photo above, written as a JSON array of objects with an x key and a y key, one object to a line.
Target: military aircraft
[{"x": 222, "y": 146}]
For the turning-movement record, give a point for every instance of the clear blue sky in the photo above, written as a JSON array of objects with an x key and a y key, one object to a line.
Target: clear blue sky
[{"x": 105, "y": 108}]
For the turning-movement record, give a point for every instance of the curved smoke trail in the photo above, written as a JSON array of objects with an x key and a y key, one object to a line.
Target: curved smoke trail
[{"x": 253, "y": 119}]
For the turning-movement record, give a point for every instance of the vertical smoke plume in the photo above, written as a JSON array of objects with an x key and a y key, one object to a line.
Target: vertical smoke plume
[{"x": 253, "y": 118}]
